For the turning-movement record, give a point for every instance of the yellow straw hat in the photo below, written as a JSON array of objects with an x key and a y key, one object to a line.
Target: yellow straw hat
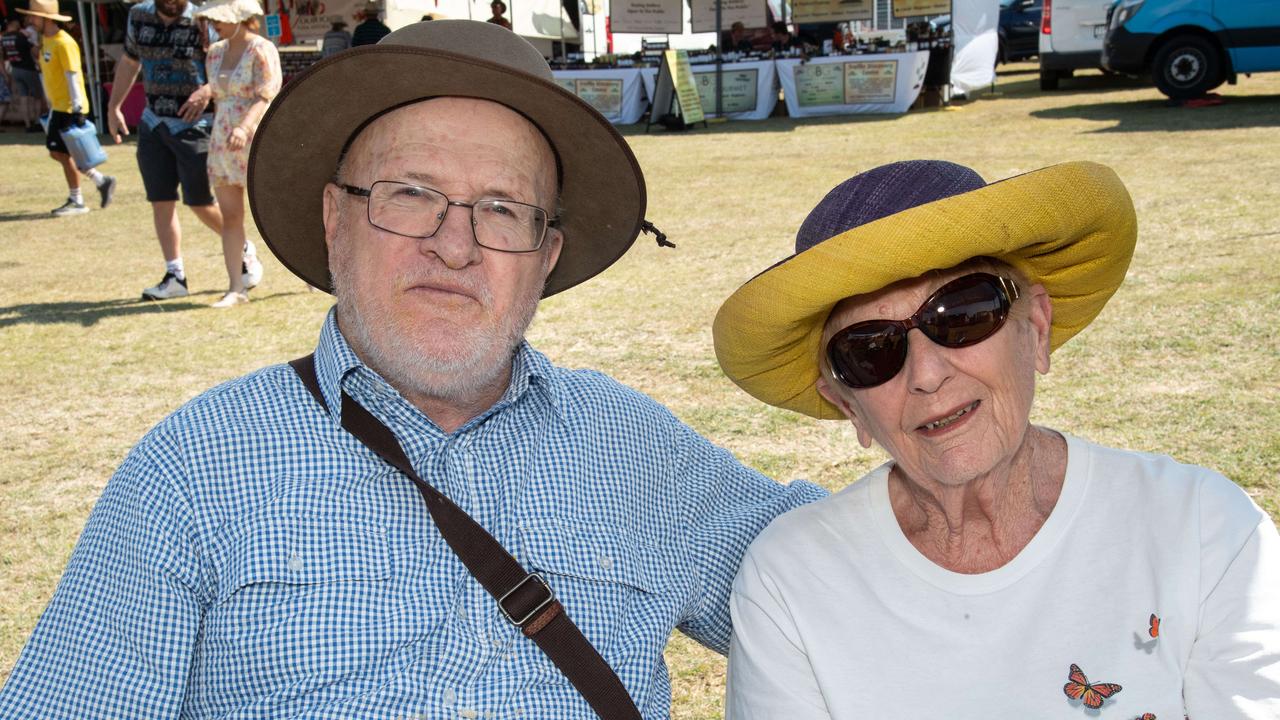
[{"x": 1068, "y": 227}]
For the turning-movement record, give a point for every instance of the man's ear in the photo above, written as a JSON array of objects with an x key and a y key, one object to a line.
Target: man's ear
[
  {"x": 834, "y": 397},
  {"x": 332, "y": 213},
  {"x": 554, "y": 244},
  {"x": 1040, "y": 314}
]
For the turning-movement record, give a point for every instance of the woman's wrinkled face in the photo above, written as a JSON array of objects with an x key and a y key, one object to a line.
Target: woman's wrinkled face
[{"x": 949, "y": 415}]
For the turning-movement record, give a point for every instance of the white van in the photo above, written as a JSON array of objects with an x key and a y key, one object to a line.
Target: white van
[{"x": 1071, "y": 34}]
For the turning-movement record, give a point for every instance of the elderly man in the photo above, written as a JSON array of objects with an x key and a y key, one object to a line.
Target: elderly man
[{"x": 252, "y": 557}]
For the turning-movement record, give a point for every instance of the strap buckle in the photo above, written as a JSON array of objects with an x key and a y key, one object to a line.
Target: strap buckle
[{"x": 542, "y": 604}]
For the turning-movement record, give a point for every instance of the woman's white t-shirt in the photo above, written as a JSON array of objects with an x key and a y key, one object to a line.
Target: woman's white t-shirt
[{"x": 836, "y": 614}]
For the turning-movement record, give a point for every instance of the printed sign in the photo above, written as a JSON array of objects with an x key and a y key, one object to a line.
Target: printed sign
[
  {"x": 917, "y": 8},
  {"x": 603, "y": 95},
  {"x": 739, "y": 90},
  {"x": 870, "y": 82},
  {"x": 274, "y": 31},
  {"x": 567, "y": 85},
  {"x": 819, "y": 85},
  {"x": 750, "y": 13},
  {"x": 647, "y": 16},
  {"x": 811, "y": 11}
]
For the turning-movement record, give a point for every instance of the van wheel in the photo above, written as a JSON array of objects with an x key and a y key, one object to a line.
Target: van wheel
[
  {"x": 1186, "y": 67},
  {"x": 1049, "y": 79}
]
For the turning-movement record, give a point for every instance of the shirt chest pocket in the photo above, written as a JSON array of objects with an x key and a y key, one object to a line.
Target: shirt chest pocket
[
  {"x": 298, "y": 599},
  {"x": 603, "y": 577}
]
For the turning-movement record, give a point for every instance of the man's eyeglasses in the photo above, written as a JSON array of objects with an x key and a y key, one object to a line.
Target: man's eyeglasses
[
  {"x": 963, "y": 312},
  {"x": 418, "y": 212}
]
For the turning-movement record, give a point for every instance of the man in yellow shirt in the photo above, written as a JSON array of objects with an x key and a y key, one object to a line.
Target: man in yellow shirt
[{"x": 68, "y": 102}]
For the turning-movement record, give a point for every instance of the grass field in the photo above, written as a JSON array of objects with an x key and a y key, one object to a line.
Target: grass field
[{"x": 1185, "y": 360}]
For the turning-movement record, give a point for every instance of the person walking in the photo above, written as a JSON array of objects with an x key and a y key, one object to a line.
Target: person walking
[
  {"x": 165, "y": 43},
  {"x": 68, "y": 102},
  {"x": 20, "y": 54},
  {"x": 244, "y": 72},
  {"x": 371, "y": 30}
]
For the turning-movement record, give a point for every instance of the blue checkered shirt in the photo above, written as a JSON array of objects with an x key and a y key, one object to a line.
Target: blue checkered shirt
[{"x": 250, "y": 559}]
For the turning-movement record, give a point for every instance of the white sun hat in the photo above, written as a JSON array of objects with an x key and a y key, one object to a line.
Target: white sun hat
[{"x": 229, "y": 11}]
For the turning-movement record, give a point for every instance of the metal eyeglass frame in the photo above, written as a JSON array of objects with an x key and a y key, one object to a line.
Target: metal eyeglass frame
[{"x": 367, "y": 194}]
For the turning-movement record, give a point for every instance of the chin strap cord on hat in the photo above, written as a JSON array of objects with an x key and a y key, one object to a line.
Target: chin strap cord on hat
[{"x": 661, "y": 237}]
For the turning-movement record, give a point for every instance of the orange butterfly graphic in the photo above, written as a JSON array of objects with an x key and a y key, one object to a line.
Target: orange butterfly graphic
[
  {"x": 1079, "y": 688},
  {"x": 1155, "y": 626},
  {"x": 1147, "y": 716}
]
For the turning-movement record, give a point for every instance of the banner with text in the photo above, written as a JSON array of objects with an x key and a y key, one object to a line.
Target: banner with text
[
  {"x": 647, "y": 16},
  {"x": 918, "y": 8},
  {"x": 750, "y": 13},
  {"x": 812, "y": 11}
]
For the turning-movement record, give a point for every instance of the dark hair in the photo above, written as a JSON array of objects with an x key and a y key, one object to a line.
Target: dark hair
[{"x": 780, "y": 27}]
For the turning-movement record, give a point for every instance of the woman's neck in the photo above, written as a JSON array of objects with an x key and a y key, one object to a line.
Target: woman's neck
[{"x": 985, "y": 522}]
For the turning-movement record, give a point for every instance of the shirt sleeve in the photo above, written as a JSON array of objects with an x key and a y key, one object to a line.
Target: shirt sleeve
[
  {"x": 1234, "y": 668},
  {"x": 727, "y": 504},
  {"x": 266, "y": 71},
  {"x": 770, "y": 675},
  {"x": 131, "y": 38},
  {"x": 117, "y": 638}
]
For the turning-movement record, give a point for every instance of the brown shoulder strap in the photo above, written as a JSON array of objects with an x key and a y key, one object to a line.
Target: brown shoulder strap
[{"x": 524, "y": 598}]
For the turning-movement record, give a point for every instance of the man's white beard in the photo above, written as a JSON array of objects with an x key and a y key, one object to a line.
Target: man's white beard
[{"x": 484, "y": 354}]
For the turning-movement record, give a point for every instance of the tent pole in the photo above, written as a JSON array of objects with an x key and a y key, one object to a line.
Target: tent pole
[{"x": 719, "y": 58}]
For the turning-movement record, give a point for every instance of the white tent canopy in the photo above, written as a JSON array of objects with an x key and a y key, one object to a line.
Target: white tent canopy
[{"x": 973, "y": 24}]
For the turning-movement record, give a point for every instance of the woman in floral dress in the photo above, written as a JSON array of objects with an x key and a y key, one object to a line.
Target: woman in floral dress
[{"x": 244, "y": 73}]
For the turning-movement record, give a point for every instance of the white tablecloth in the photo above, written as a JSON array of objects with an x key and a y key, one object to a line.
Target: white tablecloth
[
  {"x": 618, "y": 94},
  {"x": 847, "y": 84},
  {"x": 751, "y": 88}
]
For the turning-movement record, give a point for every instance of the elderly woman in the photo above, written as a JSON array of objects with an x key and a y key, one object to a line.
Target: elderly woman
[{"x": 991, "y": 568}]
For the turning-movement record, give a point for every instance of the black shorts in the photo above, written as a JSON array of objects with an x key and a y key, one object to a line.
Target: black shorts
[
  {"x": 59, "y": 121},
  {"x": 167, "y": 160}
]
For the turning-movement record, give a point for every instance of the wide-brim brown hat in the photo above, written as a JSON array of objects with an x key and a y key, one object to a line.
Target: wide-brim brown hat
[
  {"x": 310, "y": 124},
  {"x": 45, "y": 9},
  {"x": 1069, "y": 227}
]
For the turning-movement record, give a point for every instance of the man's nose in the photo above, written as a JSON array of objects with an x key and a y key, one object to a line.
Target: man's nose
[{"x": 455, "y": 241}]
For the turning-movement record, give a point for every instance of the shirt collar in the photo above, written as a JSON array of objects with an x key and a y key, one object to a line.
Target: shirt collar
[{"x": 334, "y": 360}]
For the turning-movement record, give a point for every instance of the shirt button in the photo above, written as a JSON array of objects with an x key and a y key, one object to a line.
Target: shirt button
[
  {"x": 450, "y": 697},
  {"x": 462, "y": 613},
  {"x": 295, "y": 562},
  {"x": 606, "y": 562},
  {"x": 468, "y": 713}
]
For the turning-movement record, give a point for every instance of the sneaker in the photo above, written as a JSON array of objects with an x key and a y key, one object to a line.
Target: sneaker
[
  {"x": 232, "y": 298},
  {"x": 251, "y": 271},
  {"x": 107, "y": 189},
  {"x": 170, "y": 286},
  {"x": 70, "y": 207}
]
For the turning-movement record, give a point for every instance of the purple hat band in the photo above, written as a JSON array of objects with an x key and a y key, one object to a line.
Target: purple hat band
[{"x": 882, "y": 192}]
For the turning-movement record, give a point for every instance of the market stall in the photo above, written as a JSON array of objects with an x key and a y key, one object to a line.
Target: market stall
[
  {"x": 849, "y": 84},
  {"x": 618, "y": 93},
  {"x": 750, "y": 88}
]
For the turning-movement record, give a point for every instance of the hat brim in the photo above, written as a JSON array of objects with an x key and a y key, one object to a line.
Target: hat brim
[
  {"x": 47, "y": 16},
  {"x": 1068, "y": 227},
  {"x": 298, "y": 145}
]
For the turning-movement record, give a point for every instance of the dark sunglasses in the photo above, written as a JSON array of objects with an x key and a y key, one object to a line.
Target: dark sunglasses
[{"x": 963, "y": 312}]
